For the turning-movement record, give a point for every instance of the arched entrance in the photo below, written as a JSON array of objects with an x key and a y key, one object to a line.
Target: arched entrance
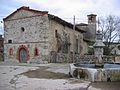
[{"x": 23, "y": 55}]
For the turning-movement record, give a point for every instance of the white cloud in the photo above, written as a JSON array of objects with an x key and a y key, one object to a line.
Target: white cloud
[
  {"x": 79, "y": 8},
  {"x": 67, "y": 8}
]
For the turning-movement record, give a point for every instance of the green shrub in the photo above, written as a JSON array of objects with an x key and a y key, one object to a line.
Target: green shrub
[{"x": 90, "y": 51}]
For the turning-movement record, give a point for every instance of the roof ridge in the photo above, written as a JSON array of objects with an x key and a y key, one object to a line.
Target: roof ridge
[{"x": 28, "y": 9}]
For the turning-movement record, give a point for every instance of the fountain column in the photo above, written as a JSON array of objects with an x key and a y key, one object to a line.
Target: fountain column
[{"x": 98, "y": 49}]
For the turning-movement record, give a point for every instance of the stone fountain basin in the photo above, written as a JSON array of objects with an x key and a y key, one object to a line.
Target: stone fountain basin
[{"x": 110, "y": 72}]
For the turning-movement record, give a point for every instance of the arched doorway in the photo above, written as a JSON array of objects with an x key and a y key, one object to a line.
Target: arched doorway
[{"x": 23, "y": 55}]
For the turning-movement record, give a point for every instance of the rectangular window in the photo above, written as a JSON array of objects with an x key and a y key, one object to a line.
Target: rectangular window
[
  {"x": 76, "y": 45},
  {"x": 56, "y": 34},
  {"x": 9, "y": 41}
]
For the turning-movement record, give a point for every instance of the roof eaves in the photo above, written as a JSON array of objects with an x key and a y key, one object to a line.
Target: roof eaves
[
  {"x": 82, "y": 24},
  {"x": 63, "y": 22}
]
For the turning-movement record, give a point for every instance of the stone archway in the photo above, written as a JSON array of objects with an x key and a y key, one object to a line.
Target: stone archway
[{"x": 22, "y": 54}]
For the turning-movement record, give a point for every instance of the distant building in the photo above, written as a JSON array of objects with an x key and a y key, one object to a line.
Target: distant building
[
  {"x": 36, "y": 36},
  {"x": 90, "y": 28},
  {"x": 116, "y": 50}
]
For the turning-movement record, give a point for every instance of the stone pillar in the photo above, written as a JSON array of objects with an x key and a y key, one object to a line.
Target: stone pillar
[{"x": 98, "y": 50}]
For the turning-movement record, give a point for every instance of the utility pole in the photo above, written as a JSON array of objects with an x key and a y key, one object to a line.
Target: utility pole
[
  {"x": 73, "y": 38},
  {"x": 74, "y": 23}
]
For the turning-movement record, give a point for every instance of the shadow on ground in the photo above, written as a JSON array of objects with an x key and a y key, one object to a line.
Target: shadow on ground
[{"x": 43, "y": 73}]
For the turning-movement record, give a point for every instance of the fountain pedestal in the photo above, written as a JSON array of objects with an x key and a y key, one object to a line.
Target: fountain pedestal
[
  {"x": 98, "y": 50},
  {"x": 99, "y": 62}
]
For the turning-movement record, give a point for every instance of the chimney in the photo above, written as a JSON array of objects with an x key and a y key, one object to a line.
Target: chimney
[{"x": 91, "y": 18}]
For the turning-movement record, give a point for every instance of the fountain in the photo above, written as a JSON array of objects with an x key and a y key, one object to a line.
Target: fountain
[
  {"x": 98, "y": 50},
  {"x": 97, "y": 71}
]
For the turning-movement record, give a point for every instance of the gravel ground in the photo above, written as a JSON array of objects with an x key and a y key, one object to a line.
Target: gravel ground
[
  {"x": 12, "y": 78},
  {"x": 105, "y": 86}
]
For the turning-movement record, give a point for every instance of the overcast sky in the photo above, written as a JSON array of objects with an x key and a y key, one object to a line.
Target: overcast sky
[{"x": 64, "y": 9}]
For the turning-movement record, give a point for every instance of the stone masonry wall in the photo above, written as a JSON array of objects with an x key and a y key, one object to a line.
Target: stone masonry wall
[
  {"x": 35, "y": 29},
  {"x": 30, "y": 30},
  {"x": 73, "y": 35},
  {"x": 42, "y": 51},
  {"x": 34, "y": 35}
]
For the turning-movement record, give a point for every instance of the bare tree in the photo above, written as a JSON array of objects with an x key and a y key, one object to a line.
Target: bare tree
[{"x": 110, "y": 27}]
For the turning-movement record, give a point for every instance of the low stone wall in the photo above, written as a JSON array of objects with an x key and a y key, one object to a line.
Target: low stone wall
[
  {"x": 60, "y": 58},
  {"x": 108, "y": 59},
  {"x": 85, "y": 59},
  {"x": 70, "y": 58},
  {"x": 76, "y": 58}
]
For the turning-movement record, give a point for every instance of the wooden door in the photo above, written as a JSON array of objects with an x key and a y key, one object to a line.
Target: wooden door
[{"x": 23, "y": 55}]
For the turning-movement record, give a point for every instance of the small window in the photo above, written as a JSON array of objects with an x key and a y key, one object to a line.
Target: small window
[
  {"x": 56, "y": 33},
  {"x": 22, "y": 29},
  {"x": 9, "y": 41},
  {"x": 77, "y": 46},
  {"x": 10, "y": 51},
  {"x": 36, "y": 52}
]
